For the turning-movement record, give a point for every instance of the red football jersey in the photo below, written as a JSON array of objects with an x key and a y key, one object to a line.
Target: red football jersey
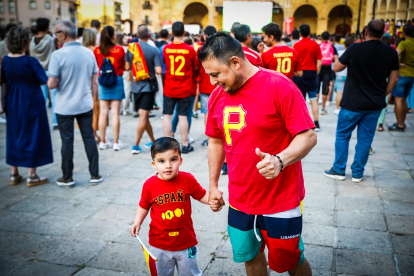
[
  {"x": 266, "y": 113},
  {"x": 282, "y": 59},
  {"x": 309, "y": 52},
  {"x": 180, "y": 61},
  {"x": 205, "y": 85},
  {"x": 171, "y": 226},
  {"x": 117, "y": 57},
  {"x": 252, "y": 57}
]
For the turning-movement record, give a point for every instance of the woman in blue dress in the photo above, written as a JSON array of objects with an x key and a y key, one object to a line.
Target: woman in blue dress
[{"x": 28, "y": 142}]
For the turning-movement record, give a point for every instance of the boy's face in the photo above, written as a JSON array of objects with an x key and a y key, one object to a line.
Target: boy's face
[{"x": 167, "y": 164}]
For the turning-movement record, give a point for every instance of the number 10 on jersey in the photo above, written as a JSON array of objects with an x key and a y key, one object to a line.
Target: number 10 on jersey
[
  {"x": 284, "y": 65},
  {"x": 180, "y": 61}
]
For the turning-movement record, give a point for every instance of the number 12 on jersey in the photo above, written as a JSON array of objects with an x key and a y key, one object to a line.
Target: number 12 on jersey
[{"x": 180, "y": 61}]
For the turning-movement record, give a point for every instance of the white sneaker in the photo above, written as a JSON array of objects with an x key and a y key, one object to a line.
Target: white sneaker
[
  {"x": 190, "y": 140},
  {"x": 126, "y": 113},
  {"x": 328, "y": 103},
  {"x": 336, "y": 111},
  {"x": 357, "y": 179},
  {"x": 106, "y": 145},
  {"x": 118, "y": 146}
]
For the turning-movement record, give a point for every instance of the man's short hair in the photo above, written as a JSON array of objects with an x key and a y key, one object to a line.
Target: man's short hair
[
  {"x": 42, "y": 24},
  {"x": 69, "y": 28},
  {"x": 273, "y": 29},
  {"x": 242, "y": 32},
  {"x": 209, "y": 30},
  {"x": 295, "y": 34},
  {"x": 95, "y": 24},
  {"x": 348, "y": 42},
  {"x": 80, "y": 31},
  {"x": 222, "y": 47},
  {"x": 286, "y": 39},
  {"x": 408, "y": 29},
  {"x": 304, "y": 30},
  {"x": 164, "y": 33},
  {"x": 337, "y": 38},
  {"x": 234, "y": 26},
  {"x": 178, "y": 29},
  {"x": 325, "y": 35},
  {"x": 163, "y": 144},
  {"x": 375, "y": 28},
  {"x": 143, "y": 32},
  {"x": 10, "y": 26}
]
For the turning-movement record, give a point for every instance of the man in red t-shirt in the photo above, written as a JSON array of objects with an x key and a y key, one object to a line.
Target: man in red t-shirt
[
  {"x": 311, "y": 57},
  {"x": 180, "y": 61},
  {"x": 168, "y": 195},
  {"x": 259, "y": 121},
  {"x": 244, "y": 35},
  {"x": 279, "y": 57}
]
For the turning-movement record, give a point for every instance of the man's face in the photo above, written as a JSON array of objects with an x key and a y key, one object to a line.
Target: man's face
[
  {"x": 267, "y": 40},
  {"x": 60, "y": 35},
  {"x": 228, "y": 76}
]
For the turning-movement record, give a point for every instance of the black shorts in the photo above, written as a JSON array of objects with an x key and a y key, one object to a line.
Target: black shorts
[
  {"x": 143, "y": 100},
  {"x": 325, "y": 76},
  {"x": 183, "y": 105}
]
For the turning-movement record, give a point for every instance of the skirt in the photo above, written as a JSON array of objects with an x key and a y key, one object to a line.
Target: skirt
[{"x": 115, "y": 92}]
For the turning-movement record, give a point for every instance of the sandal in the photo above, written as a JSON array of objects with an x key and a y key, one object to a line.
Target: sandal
[
  {"x": 15, "y": 179},
  {"x": 36, "y": 180},
  {"x": 380, "y": 128},
  {"x": 396, "y": 124}
]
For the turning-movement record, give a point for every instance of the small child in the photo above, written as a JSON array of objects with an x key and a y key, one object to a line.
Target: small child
[{"x": 171, "y": 236}]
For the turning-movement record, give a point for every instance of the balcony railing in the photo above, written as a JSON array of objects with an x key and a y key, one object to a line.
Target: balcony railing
[{"x": 147, "y": 6}]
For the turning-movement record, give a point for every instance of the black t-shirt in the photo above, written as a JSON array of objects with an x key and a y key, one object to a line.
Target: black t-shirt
[
  {"x": 369, "y": 65},
  {"x": 160, "y": 43}
]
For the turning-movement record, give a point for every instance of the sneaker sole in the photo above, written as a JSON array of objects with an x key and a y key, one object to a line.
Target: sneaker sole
[
  {"x": 356, "y": 180},
  {"x": 118, "y": 149},
  {"x": 187, "y": 151},
  {"x": 135, "y": 152},
  {"x": 66, "y": 185},
  {"x": 221, "y": 173},
  {"x": 16, "y": 182},
  {"x": 147, "y": 147},
  {"x": 337, "y": 177},
  {"x": 317, "y": 129},
  {"x": 37, "y": 183}
]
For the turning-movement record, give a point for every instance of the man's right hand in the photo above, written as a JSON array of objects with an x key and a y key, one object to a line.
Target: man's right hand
[
  {"x": 215, "y": 198},
  {"x": 134, "y": 230}
]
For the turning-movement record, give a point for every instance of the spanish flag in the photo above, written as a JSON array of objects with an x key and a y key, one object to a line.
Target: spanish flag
[{"x": 149, "y": 257}]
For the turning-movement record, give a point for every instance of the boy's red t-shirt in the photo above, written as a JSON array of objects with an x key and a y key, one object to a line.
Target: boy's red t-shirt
[
  {"x": 171, "y": 226},
  {"x": 267, "y": 112},
  {"x": 117, "y": 57}
]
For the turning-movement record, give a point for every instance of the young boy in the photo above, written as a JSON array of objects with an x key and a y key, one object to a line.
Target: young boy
[{"x": 167, "y": 194}]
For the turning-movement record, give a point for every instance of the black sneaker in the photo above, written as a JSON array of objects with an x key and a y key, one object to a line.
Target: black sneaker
[
  {"x": 136, "y": 114},
  {"x": 68, "y": 182},
  {"x": 224, "y": 169},
  {"x": 187, "y": 149},
  {"x": 396, "y": 124},
  {"x": 317, "y": 127},
  {"x": 395, "y": 127},
  {"x": 335, "y": 175},
  {"x": 205, "y": 144},
  {"x": 96, "y": 179}
]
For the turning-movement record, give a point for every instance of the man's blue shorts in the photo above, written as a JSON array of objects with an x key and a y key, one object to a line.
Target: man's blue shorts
[{"x": 403, "y": 87}]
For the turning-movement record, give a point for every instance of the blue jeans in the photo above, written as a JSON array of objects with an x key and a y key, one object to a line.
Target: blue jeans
[
  {"x": 189, "y": 116},
  {"x": 52, "y": 99},
  {"x": 347, "y": 122},
  {"x": 410, "y": 98}
]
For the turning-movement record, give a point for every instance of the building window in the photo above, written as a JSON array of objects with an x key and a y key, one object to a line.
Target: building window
[
  {"x": 33, "y": 22},
  {"x": 117, "y": 7},
  {"x": 32, "y": 4},
  {"x": 147, "y": 5},
  {"x": 1, "y": 6},
  {"x": 12, "y": 20},
  {"x": 47, "y": 4},
  {"x": 147, "y": 21},
  {"x": 12, "y": 7}
]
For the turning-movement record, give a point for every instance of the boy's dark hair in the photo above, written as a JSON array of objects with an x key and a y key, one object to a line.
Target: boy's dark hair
[
  {"x": 163, "y": 144},
  {"x": 178, "y": 28},
  {"x": 242, "y": 32},
  {"x": 164, "y": 33},
  {"x": 295, "y": 34},
  {"x": 209, "y": 30},
  {"x": 408, "y": 29},
  {"x": 337, "y": 38},
  {"x": 386, "y": 40},
  {"x": 42, "y": 24},
  {"x": 273, "y": 29},
  {"x": 222, "y": 47},
  {"x": 325, "y": 35},
  {"x": 304, "y": 30}
]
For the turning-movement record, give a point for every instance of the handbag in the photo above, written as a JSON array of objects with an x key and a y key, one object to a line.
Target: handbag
[{"x": 154, "y": 85}]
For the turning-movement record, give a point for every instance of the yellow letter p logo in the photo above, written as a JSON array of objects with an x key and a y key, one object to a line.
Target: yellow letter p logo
[{"x": 234, "y": 119}]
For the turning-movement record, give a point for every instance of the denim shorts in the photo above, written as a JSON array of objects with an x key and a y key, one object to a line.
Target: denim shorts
[
  {"x": 403, "y": 87},
  {"x": 340, "y": 83},
  {"x": 204, "y": 102},
  {"x": 115, "y": 92}
]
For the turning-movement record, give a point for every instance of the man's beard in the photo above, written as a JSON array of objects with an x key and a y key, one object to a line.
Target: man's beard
[{"x": 238, "y": 82}]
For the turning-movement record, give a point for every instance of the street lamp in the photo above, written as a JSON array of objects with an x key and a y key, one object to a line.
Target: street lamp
[{"x": 343, "y": 27}]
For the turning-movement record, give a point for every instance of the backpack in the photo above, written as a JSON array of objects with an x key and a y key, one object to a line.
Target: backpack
[
  {"x": 327, "y": 53},
  {"x": 107, "y": 75}
]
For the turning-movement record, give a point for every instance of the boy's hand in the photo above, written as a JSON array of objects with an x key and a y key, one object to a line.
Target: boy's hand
[
  {"x": 134, "y": 230},
  {"x": 215, "y": 205}
]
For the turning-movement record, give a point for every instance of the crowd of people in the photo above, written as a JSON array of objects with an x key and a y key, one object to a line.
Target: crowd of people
[{"x": 252, "y": 91}]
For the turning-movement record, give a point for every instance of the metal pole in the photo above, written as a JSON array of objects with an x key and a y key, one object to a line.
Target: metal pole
[
  {"x": 17, "y": 12},
  {"x": 343, "y": 26},
  {"x": 359, "y": 16}
]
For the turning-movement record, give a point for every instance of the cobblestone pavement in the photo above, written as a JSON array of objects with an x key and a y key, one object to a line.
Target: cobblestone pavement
[{"x": 349, "y": 229}]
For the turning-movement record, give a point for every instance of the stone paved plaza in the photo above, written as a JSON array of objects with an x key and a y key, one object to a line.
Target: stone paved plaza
[{"x": 349, "y": 229}]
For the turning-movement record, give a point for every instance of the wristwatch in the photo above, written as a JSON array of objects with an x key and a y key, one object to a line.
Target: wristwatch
[{"x": 281, "y": 162}]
